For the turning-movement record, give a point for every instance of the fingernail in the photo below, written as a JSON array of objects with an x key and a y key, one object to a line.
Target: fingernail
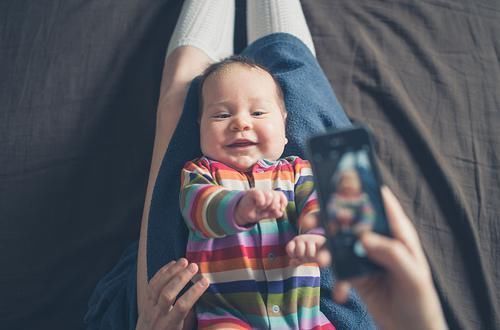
[
  {"x": 203, "y": 282},
  {"x": 193, "y": 268}
]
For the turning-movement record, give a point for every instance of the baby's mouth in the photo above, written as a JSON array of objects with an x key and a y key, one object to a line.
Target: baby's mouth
[{"x": 241, "y": 143}]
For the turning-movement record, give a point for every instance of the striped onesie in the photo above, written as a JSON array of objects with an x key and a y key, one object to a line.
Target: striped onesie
[{"x": 252, "y": 285}]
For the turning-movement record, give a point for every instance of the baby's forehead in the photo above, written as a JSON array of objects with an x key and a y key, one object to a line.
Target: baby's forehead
[
  {"x": 351, "y": 174},
  {"x": 235, "y": 69},
  {"x": 230, "y": 71}
]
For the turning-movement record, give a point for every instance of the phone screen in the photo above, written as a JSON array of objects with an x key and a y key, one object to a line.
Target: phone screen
[{"x": 348, "y": 185}]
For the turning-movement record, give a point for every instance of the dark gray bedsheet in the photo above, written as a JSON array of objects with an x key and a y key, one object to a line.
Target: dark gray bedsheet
[
  {"x": 425, "y": 76},
  {"x": 78, "y": 89}
]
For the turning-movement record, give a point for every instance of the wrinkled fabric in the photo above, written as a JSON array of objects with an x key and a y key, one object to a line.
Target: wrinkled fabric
[{"x": 79, "y": 88}]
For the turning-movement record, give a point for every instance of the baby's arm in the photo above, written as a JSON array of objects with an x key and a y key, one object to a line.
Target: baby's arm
[
  {"x": 306, "y": 202},
  {"x": 207, "y": 207},
  {"x": 303, "y": 248},
  {"x": 256, "y": 205},
  {"x": 212, "y": 211}
]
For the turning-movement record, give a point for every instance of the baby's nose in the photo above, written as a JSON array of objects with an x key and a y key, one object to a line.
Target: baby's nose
[{"x": 241, "y": 123}]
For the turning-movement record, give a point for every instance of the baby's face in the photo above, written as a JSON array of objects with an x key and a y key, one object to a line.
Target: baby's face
[
  {"x": 349, "y": 183},
  {"x": 242, "y": 120}
]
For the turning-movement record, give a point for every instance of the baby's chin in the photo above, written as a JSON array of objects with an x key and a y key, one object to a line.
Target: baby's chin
[{"x": 243, "y": 163}]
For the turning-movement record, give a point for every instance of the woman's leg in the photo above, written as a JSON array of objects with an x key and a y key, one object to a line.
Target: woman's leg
[
  {"x": 309, "y": 98},
  {"x": 265, "y": 17},
  {"x": 203, "y": 34},
  {"x": 207, "y": 25}
]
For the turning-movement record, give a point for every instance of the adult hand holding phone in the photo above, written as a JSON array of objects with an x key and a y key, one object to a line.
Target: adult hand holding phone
[{"x": 402, "y": 297}]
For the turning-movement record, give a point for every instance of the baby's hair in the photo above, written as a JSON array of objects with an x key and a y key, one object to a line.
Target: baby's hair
[{"x": 237, "y": 59}]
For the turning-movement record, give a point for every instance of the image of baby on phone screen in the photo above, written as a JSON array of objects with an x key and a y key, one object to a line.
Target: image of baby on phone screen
[
  {"x": 249, "y": 212},
  {"x": 349, "y": 208}
]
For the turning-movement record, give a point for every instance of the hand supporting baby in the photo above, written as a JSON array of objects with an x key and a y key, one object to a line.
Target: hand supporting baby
[{"x": 256, "y": 205}]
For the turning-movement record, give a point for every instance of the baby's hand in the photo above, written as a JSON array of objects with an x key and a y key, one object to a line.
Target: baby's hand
[
  {"x": 304, "y": 248},
  {"x": 256, "y": 205}
]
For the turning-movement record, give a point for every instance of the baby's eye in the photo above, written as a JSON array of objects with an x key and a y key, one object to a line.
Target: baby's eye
[
  {"x": 221, "y": 115},
  {"x": 258, "y": 113}
]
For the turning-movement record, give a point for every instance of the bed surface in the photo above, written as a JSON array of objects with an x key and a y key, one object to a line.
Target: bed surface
[{"x": 78, "y": 90}]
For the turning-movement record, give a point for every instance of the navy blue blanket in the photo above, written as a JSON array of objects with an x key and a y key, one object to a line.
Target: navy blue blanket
[{"x": 312, "y": 108}]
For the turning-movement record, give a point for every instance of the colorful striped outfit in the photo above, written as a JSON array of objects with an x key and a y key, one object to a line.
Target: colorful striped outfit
[{"x": 252, "y": 285}]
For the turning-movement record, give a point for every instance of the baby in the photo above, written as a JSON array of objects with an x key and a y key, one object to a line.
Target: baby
[
  {"x": 249, "y": 211},
  {"x": 349, "y": 205}
]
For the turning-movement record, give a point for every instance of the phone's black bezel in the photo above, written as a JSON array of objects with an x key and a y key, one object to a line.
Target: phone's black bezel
[{"x": 354, "y": 136}]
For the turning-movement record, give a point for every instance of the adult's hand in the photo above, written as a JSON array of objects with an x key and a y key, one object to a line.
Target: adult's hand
[
  {"x": 162, "y": 311},
  {"x": 402, "y": 297}
]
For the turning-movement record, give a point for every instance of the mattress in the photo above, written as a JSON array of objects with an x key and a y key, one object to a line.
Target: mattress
[{"x": 79, "y": 87}]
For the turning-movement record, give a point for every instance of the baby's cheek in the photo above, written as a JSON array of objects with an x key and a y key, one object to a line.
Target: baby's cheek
[{"x": 275, "y": 137}]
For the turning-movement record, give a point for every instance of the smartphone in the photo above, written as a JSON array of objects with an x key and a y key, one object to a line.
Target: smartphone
[{"x": 348, "y": 183}]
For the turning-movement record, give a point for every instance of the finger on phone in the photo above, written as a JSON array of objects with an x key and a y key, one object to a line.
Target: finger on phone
[
  {"x": 401, "y": 226},
  {"x": 341, "y": 291},
  {"x": 389, "y": 253},
  {"x": 398, "y": 220}
]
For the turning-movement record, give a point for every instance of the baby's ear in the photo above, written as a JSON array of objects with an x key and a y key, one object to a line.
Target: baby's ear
[{"x": 286, "y": 140}]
